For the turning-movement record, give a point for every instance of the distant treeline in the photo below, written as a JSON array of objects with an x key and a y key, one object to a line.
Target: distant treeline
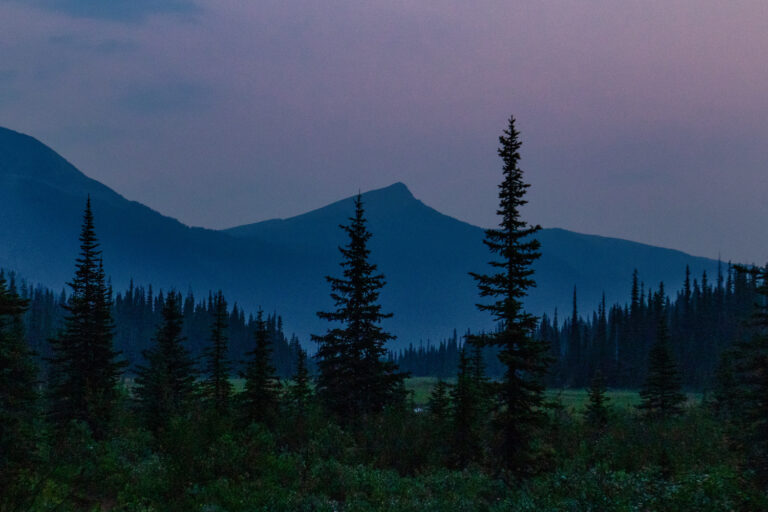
[
  {"x": 704, "y": 318},
  {"x": 137, "y": 313}
]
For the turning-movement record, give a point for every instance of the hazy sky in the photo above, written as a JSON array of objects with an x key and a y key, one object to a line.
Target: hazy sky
[{"x": 646, "y": 120}]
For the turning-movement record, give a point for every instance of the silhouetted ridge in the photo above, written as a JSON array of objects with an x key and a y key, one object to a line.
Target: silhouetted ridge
[
  {"x": 26, "y": 156},
  {"x": 25, "y": 159}
]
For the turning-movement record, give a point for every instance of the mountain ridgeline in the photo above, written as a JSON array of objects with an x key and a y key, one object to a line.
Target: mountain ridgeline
[{"x": 280, "y": 264}]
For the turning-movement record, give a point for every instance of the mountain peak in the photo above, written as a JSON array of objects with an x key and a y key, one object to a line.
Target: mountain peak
[
  {"x": 392, "y": 193},
  {"x": 398, "y": 188}
]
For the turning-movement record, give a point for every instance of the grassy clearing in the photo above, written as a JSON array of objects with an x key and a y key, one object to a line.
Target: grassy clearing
[
  {"x": 573, "y": 400},
  {"x": 421, "y": 387}
]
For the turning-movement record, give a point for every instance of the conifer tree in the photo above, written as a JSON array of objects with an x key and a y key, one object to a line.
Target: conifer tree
[
  {"x": 440, "y": 425},
  {"x": 18, "y": 392},
  {"x": 300, "y": 391},
  {"x": 575, "y": 354},
  {"x": 465, "y": 440},
  {"x": 166, "y": 385},
  {"x": 601, "y": 356},
  {"x": 217, "y": 387},
  {"x": 84, "y": 368},
  {"x": 299, "y": 406},
  {"x": 261, "y": 394},
  {"x": 440, "y": 401},
  {"x": 525, "y": 359},
  {"x": 661, "y": 394},
  {"x": 355, "y": 376},
  {"x": 596, "y": 412},
  {"x": 751, "y": 369}
]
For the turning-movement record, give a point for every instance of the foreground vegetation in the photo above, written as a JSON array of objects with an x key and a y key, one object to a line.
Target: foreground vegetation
[{"x": 396, "y": 461}]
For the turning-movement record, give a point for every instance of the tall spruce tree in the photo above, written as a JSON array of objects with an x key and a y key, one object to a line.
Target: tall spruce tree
[
  {"x": 525, "y": 359},
  {"x": 18, "y": 394},
  {"x": 166, "y": 385},
  {"x": 216, "y": 387},
  {"x": 661, "y": 393},
  {"x": 261, "y": 394},
  {"x": 84, "y": 369},
  {"x": 355, "y": 377}
]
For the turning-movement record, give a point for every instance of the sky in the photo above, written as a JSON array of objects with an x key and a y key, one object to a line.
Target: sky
[{"x": 644, "y": 120}]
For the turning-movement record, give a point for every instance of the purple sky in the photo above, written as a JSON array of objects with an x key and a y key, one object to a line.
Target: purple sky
[{"x": 642, "y": 120}]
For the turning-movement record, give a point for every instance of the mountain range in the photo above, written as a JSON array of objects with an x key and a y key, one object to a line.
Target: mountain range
[{"x": 280, "y": 264}]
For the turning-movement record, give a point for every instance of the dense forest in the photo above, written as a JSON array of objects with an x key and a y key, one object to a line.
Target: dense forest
[
  {"x": 704, "y": 318},
  {"x": 195, "y": 415},
  {"x": 138, "y": 310}
]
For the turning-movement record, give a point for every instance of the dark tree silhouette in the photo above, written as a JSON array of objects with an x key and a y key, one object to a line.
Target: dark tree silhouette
[
  {"x": 751, "y": 375},
  {"x": 575, "y": 356},
  {"x": 466, "y": 442},
  {"x": 217, "y": 387},
  {"x": 262, "y": 389},
  {"x": 84, "y": 369},
  {"x": 300, "y": 391},
  {"x": 661, "y": 394},
  {"x": 355, "y": 376},
  {"x": 596, "y": 412},
  {"x": 18, "y": 394},
  {"x": 166, "y": 385},
  {"x": 440, "y": 401},
  {"x": 525, "y": 359}
]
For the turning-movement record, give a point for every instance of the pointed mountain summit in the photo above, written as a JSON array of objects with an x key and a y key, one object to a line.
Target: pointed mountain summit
[
  {"x": 280, "y": 264},
  {"x": 392, "y": 208}
]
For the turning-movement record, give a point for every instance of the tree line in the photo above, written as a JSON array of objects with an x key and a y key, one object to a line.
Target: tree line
[
  {"x": 706, "y": 317},
  {"x": 138, "y": 310}
]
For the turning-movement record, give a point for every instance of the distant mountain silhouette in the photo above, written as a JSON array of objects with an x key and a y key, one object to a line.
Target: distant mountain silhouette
[{"x": 280, "y": 264}]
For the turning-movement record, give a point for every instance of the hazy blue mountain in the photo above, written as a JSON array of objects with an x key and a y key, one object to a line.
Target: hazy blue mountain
[
  {"x": 426, "y": 256},
  {"x": 280, "y": 264}
]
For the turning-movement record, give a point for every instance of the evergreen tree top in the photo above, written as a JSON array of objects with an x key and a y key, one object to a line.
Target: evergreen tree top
[
  {"x": 261, "y": 393},
  {"x": 525, "y": 359},
  {"x": 357, "y": 292},
  {"x": 11, "y": 304},
  {"x": 512, "y": 241},
  {"x": 84, "y": 361}
]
